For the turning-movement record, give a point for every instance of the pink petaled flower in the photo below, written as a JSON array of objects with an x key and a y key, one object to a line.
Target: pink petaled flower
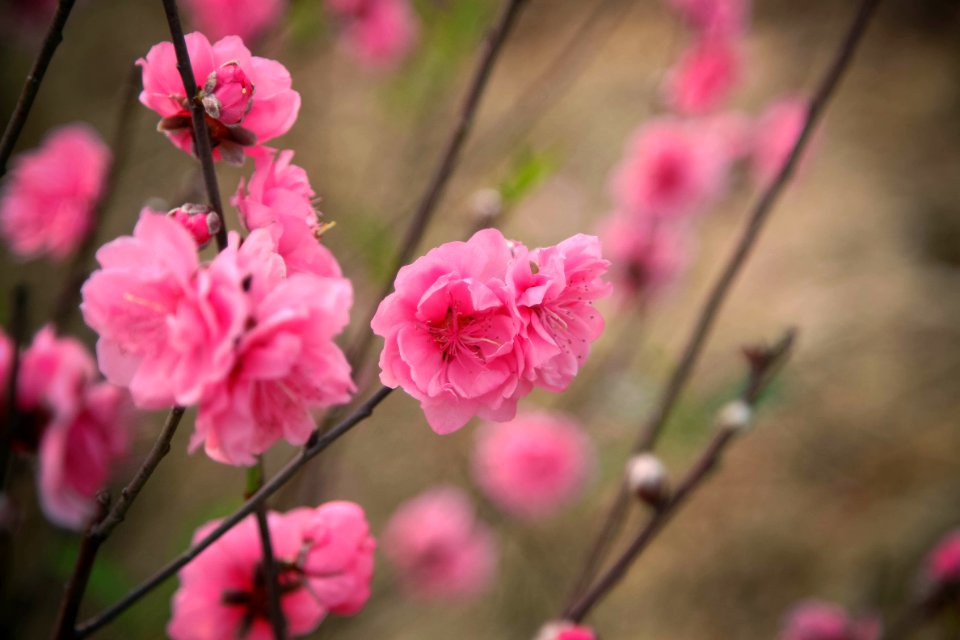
[
  {"x": 703, "y": 77},
  {"x": 438, "y": 548},
  {"x": 380, "y": 33},
  {"x": 721, "y": 18},
  {"x": 942, "y": 567},
  {"x": 286, "y": 362},
  {"x": 564, "y": 630},
  {"x": 555, "y": 288},
  {"x": 452, "y": 333},
  {"x": 324, "y": 562},
  {"x": 198, "y": 219},
  {"x": 532, "y": 465},
  {"x": 647, "y": 256},
  {"x": 278, "y": 197},
  {"x": 48, "y": 203},
  {"x": 247, "y": 19},
  {"x": 817, "y": 620},
  {"x": 775, "y": 134},
  {"x": 227, "y": 76},
  {"x": 671, "y": 169}
]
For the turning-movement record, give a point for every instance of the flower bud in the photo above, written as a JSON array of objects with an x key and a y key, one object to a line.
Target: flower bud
[
  {"x": 227, "y": 94},
  {"x": 202, "y": 222},
  {"x": 735, "y": 416},
  {"x": 487, "y": 204},
  {"x": 647, "y": 479},
  {"x": 563, "y": 630}
]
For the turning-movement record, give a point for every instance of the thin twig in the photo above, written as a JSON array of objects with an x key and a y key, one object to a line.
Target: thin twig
[
  {"x": 358, "y": 415},
  {"x": 120, "y": 144},
  {"x": 277, "y": 620},
  {"x": 201, "y": 136},
  {"x": 448, "y": 162},
  {"x": 764, "y": 363},
  {"x": 73, "y": 593},
  {"x": 32, "y": 86},
  {"x": 722, "y": 285}
]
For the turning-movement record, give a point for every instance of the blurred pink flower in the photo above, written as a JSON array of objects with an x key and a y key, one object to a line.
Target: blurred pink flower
[
  {"x": 731, "y": 132},
  {"x": 438, "y": 548},
  {"x": 703, "y": 78},
  {"x": 325, "y": 563},
  {"x": 198, "y": 219},
  {"x": 774, "y": 136},
  {"x": 284, "y": 364},
  {"x": 247, "y": 19},
  {"x": 274, "y": 106},
  {"x": 555, "y": 288},
  {"x": 815, "y": 620},
  {"x": 565, "y": 631},
  {"x": 721, "y": 18},
  {"x": 532, "y": 465},
  {"x": 451, "y": 329},
  {"x": 942, "y": 566},
  {"x": 670, "y": 169},
  {"x": 647, "y": 256},
  {"x": 278, "y": 197},
  {"x": 48, "y": 203},
  {"x": 379, "y": 33}
]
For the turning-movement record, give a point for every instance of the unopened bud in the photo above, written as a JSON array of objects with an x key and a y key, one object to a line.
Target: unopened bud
[
  {"x": 563, "y": 630},
  {"x": 202, "y": 222},
  {"x": 735, "y": 416},
  {"x": 647, "y": 479},
  {"x": 227, "y": 94},
  {"x": 487, "y": 204}
]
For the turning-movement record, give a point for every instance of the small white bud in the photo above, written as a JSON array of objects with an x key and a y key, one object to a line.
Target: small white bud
[
  {"x": 735, "y": 416},
  {"x": 487, "y": 203},
  {"x": 647, "y": 478}
]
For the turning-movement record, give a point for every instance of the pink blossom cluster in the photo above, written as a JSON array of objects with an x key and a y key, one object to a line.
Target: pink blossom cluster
[
  {"x": 247, "y": 100},
  {"x": 48, "y": 202},
  {"x": 76, "y": 425},
  {"x": 324, "y": 563},
  {"x": 246, "y": 19},
  {"x": 438, "y": 548},
  {"x": 378, "y": 33},
  {"x": 532, "y": 465},
  {"x": 473, "y": 326},
  {"x": 248, "y": 340},
  {"x": 816, "y": 620}
]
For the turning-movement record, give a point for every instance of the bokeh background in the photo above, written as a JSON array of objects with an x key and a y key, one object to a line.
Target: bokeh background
[{"x": 853, "y": 470}]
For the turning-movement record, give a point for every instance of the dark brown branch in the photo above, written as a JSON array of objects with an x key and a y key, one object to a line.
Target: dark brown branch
[
  {"x": 724, "y": 282},
  {"x": 120, "y": 144},
  {"x": 277, "y": 620},
  {"x": 358, "y": 415},
  {"x": 201, "y": 136},
  {"x": 764, "y": 363},
  {"x": 448, "y": 162},
  {"x": 32, "y": 86},
  {"x": 73, "y": 594}
]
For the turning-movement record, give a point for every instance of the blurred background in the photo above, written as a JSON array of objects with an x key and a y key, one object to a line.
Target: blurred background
[{"x": 853, "y": 469}]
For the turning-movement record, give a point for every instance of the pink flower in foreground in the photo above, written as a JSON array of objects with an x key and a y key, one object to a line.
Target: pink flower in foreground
[
  {"x": 703, "y": 77},
  {"x": 671, "y": 169},
  {"x": 248, "y": 99},
  {"x": 565, "y": 631},
  {"x": 646, "y": 257},
  {"x": 555, "y": 288},
  {"x": 532, "y": 465},
  {"x": 247, "y": 19},
  {"x": 452, "y": 333},
  {"x": 380, "y": 33},
  {"x": 775, "y": 134},
  {"x": 278, "y": 197},
  {"x": 942, "y": 567},
  {"x": 720, "y": 18},
  {"x": 48, "y": 203},
  {"x": 817, "y": 620},
  {"x": 438, "y": 548},
  {"x": 325, "y": 564}
]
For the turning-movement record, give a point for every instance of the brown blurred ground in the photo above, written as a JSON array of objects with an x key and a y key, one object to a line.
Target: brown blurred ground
[{"x": 853, "y": 469}]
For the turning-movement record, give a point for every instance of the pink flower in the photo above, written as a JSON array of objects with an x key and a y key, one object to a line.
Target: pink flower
[
  {"x": 379, "y": 33},
  {"x": 48, "y": 204},
  {"x": 325, "y": 563},
  {"x": 555, "y": 288},
  {"x": 723, "y": 18},
  {"x": 247, "y": 19},
  {"x": 452, "y": 333},
  {"x": 670, "y": 169},
  {"x": 272, "y": 111},
  {"x": 647, "y": 256},
  {"x": 438, "y": 548},
  {"x": 775, "y": 134},
  {"x": 279, "y": 198},
  {"x": 198, "y": 219},
  {"x": 815, "y": 620},
  {"x": 703, "y": 77},
  {"x": 563, "y": 630},
  {"x": 284, "y": 364},
  {"x": 942, "y": 566},
  {"x": 532, "y": 465}
]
